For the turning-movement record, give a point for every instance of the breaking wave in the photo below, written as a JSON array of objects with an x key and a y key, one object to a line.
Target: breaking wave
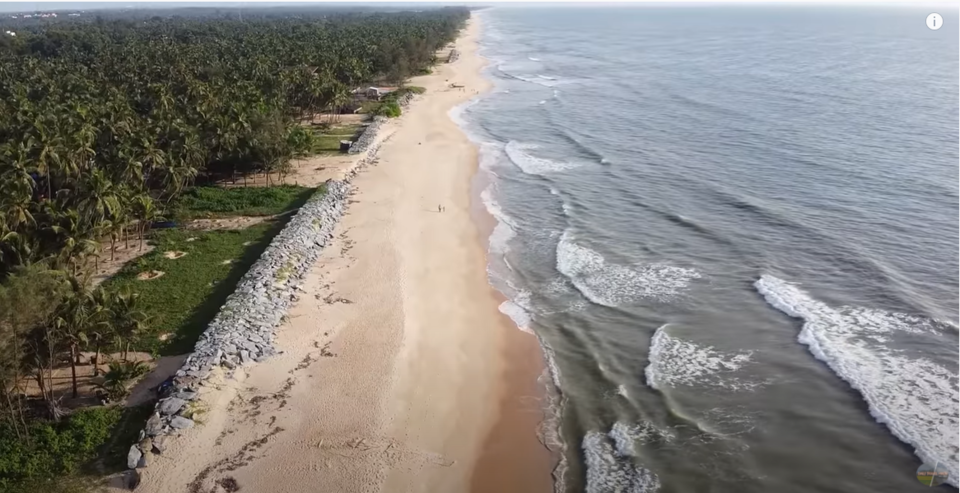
[
  {"x": 516, "y": 313},
  {"x": 913, "y": 396},
  {"x": 538, "y": 79},
  {"x": 612, "y": 285},
  {"x": 675, "y": 362},
  {"x": 505, "y": 229},
  {"x": 610, "y": 460},
  {"x": 519, "y": 154}
]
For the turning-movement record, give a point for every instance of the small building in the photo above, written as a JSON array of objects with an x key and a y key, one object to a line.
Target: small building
[{"x": 372, "y": 93}]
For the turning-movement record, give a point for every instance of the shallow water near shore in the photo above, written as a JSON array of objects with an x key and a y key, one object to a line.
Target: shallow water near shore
[{"x": 734, "y": 231}]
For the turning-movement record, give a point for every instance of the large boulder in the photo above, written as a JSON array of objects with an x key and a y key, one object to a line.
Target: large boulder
[
  {"x": 181, "y": 423},
  {"x": 154, "y": 425},
  {"x": 171, "y": 405},
  {"x": 186, "y": 395},
  {"x": 158, "y": 445},
  {"x": 133, "y": 457}
]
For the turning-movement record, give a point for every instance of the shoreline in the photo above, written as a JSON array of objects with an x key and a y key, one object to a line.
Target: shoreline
[
  {"x": 396, "y": 370},
  {"x": 507, "y": 463}
]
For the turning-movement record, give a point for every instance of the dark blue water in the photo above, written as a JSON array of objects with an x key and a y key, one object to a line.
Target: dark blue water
[{"x": 734, "y": 230}]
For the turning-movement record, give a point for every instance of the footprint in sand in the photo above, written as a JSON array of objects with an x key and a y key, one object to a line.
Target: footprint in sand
[{"x": 387, "y": 450}]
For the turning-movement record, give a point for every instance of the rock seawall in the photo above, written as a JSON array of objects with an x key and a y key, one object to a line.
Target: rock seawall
[
  {"x": 245, "y": 327},
  {"x": 369, "y": 135}
]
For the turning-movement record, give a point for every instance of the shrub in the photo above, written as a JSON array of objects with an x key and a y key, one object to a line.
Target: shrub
[
  {"x": 369, "y": 107},
  {"x": 389, "y": 109},
  {"x": 120, "y": 374},
  {"x": 54, "y": 449},
  {"x": 241, "y": 201}
]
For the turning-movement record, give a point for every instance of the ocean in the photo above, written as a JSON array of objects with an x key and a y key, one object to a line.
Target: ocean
[{"x": 734, "y": 231}]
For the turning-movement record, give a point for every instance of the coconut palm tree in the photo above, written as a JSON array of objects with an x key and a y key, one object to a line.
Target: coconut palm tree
[
  {"x": 146, "y": 213},
  {"x": 126, "y": 319},
  {"x": 78, "y": 314}
]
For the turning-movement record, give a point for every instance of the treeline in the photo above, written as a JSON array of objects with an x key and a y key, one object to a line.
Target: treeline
[{"x": 103, "y": 123}]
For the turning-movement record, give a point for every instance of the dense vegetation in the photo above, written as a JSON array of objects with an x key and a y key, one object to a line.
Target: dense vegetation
[
  {"x": 211, "y": 202},
  {"x": 104, "y": 125},
  {"x": 56, "y": 448}
]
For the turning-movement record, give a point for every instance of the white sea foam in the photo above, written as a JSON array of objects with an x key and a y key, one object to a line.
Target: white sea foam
[
  {"x": 543, "y": 101},
  {"x": 913, "y": 396},
  {"x": 610, "y": 463},
  {"x": 535, "y": 59},
  {"x": 491, "y": 157},
  {"x": 610, "y": 284},
  {"x": 519, "y": 154},
  {"x": 625, "y": 436},
  {"x": 538, "y": 79},
  {"x": 457, "y": 113},
  {"x": 675, "y": 362},
  {"x": 551, "y": 360},
  {"x": 517, "y": 314},
  {"x": 505, "y": 229}
]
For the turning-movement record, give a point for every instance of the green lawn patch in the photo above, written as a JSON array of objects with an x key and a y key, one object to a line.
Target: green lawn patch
[
  {"x": 193, "y": 287},
  {"x": 214, "y": 202},
  {"x": 327, "y": 140}
]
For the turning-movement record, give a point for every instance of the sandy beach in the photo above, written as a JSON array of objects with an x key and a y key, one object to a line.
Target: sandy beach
[{"x": 397, "y": 371}]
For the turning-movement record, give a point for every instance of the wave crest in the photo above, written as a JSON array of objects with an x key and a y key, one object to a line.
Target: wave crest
[
  {"x": 610, "y": 465},
  {"x": 914, "y": 397},
  {"x": 612, "y": 285},
  {"x": 675, "y": 362},
  {"x": 519, "y": 154}
]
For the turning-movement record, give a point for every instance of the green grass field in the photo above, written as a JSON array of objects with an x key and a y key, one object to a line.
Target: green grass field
[
  {"x": 327, "y": 141},
  {"x": 216, "y": 202},
  {"x": 193, "y": 287}
]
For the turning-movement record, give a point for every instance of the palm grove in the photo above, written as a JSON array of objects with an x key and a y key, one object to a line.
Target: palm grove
[{"x": 104, "y": 124}]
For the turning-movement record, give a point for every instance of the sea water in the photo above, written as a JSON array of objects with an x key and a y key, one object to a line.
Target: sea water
[{"x": 734, "y": 231}]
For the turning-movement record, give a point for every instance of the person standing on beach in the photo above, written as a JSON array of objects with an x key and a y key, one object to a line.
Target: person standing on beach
[{"x": 439, "y": 208}]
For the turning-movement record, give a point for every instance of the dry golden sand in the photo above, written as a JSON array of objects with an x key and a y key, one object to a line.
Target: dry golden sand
[{"x": 397, "y": 366}]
